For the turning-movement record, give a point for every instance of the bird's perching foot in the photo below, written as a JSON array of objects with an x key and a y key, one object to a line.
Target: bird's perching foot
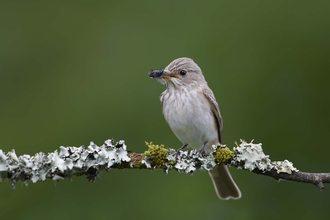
[
  {"x": 178, "y": 151},
  {"x": 202, "y": 151}
]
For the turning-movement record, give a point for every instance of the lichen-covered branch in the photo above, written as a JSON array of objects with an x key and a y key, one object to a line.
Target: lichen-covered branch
[{"x": 88, "y": 161}]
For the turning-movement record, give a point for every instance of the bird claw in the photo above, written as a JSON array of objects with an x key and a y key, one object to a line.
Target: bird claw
[
  {"x": 202, "y": 152},
  {"x": 178, "y": 151}
]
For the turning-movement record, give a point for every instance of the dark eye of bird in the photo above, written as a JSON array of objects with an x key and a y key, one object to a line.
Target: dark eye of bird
[{"x": 183, "y": 72}]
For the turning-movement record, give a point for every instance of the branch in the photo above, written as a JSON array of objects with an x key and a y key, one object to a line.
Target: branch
[{"x": 78, "y": 161}]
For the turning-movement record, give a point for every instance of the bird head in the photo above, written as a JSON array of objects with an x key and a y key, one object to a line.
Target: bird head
[{"x": 181, "y": 71}]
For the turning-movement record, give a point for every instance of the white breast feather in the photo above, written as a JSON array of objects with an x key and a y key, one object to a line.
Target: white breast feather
[{"x": 189, "y": 115}]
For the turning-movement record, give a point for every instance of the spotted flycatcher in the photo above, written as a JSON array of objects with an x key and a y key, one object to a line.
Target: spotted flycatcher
[{"x": 193, "y": 114}]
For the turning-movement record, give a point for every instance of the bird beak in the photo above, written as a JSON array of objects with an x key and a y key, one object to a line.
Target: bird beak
[
  {"x": 161, "y": 74},
  {"x": 156, "y": 73}
]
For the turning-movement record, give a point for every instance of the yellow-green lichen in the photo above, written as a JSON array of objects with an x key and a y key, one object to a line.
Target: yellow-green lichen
[
  {"x": 223, "y": 155},
  {"x": 172, "y": 162},
  {"x": 157, "y": 154}
]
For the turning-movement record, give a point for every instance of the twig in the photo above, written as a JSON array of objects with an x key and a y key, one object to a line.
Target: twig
[{"x": 78, "y": 161}]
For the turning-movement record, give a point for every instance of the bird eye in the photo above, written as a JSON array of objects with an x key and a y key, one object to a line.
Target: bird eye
[{"x": 183, "y": 72}]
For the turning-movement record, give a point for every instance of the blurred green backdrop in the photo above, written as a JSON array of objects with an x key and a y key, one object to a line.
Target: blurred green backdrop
[{"x": 72, "y": 72}]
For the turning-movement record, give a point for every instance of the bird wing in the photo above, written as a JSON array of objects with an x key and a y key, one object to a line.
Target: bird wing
[
  {"x": 215, "y": 110},
  {"x": 162, "y": 101}
]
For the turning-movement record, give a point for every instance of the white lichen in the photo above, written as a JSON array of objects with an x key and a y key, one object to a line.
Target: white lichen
[
  {"x": 284, "y": 167},
  {"x": 68, "y": 162},
  {"x": 146, "y": 162},
  {"x": 250, "y": 156},
  {"x": 190, "y": 161}
]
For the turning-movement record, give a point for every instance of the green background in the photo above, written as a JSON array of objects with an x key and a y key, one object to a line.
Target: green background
[{"x": 72, "y": 72}]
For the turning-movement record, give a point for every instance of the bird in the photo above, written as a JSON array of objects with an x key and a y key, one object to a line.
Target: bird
[{"x": 192, "y": 112}]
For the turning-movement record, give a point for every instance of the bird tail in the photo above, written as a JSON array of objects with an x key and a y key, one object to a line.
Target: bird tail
[{"x": 224, "y": 184}]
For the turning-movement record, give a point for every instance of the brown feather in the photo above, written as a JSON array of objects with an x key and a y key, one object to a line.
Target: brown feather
[{"x": 216, "y": 112}]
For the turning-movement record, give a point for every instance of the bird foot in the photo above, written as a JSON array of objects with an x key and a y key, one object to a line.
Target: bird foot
[
  {"x": 202, "y": 152},
  {"x": 178, "y": 151}
]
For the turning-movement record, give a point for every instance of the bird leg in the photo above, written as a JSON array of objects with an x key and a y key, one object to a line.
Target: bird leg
[
  {"x": 181, "y": 148},
  {"x": 203, "y": 150}
]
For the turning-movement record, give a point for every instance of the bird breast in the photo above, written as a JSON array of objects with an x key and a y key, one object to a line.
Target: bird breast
[{"x": 189, "y": 115}]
